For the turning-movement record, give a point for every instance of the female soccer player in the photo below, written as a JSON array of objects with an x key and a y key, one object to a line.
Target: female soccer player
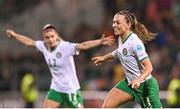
[
  {"x": 139, "y": 85},
  {"x": 65, "y": 88}
]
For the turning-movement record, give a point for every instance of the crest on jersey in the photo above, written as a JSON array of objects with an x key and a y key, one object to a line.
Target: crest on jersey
[
  {"x": 58, "y": 55},
  {"x": 124, "y": 51}
]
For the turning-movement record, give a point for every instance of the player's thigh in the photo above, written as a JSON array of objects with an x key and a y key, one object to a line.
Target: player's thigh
[
  {"x": 153, "y": 93},
  {"x": 50, "y": 104},
  {"x": 115, "y": 98},
  {"x": 53, "y": 99}
]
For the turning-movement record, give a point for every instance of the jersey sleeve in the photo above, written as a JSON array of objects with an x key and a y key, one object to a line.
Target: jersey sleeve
[
  {"x": 115, "y": 53},
  {"x": 140, "y": 51},
  {"x": 72, "y": 48},
  {"x": 39, "y": 45}
]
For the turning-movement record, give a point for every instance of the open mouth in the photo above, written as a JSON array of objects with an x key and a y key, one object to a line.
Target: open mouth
[{"x": 115, "y": 29}]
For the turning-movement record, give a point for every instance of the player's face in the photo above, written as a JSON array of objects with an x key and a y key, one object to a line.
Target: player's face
[
  {"x": 50, "y": 37},
  {"x": 120, "y": 25}
]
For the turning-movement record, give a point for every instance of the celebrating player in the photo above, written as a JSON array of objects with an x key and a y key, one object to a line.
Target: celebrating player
[
  {"x": 139, "y": 85},
  {"x": 65, "y": 88}
]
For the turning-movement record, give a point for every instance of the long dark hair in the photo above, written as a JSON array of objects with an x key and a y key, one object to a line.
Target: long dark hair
[{"x": 142, "y": 32}]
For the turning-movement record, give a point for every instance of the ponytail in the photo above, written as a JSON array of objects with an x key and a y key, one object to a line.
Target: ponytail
[
  {"x": 142, "y": 32},
  {"x": 137, "y": 27}
]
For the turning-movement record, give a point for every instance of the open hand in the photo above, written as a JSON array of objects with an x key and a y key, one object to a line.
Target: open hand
[
  {"x": 109, "y": 40},
  {"x": 98, "y": 60}
]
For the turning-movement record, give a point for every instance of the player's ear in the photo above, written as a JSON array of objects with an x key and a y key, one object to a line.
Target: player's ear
[{"x": 129, "y": 25}]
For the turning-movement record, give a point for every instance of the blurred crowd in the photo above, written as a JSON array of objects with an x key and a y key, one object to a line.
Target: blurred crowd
[{"x": 81, "y": 20}]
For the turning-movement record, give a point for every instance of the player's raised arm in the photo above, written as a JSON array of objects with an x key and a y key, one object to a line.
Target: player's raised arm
[
  {"x": 100, "y": 59},
  {"x": 93, "y": 43},
  {"x": 21, "y": 38}
]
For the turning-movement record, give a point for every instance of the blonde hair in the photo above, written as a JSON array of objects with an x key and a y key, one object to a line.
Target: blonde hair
[{"x": 142, "y": 32}]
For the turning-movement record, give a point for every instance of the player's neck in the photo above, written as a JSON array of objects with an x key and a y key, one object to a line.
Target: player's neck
[
  {"x": 54, "y": 47},
  {"x": 125, "y": 35}
]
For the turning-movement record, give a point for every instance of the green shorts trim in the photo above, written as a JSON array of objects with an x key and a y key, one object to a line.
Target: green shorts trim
[
  {"x": 71, "y": 100},
  {"x": 147, "y": 95}
]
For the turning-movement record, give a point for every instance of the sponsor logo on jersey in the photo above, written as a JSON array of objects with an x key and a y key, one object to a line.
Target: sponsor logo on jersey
[
  {"x": 139, "y": 48},
  {"x": 58, "y": 55},
  {"x": 124, "y": 51}
]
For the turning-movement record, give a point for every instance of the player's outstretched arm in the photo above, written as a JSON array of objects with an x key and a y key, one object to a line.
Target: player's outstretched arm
[
  {"x": 21, "y": 38},
  {"x": 94, "y": 43},
  {"x": 100, "y": 59}
]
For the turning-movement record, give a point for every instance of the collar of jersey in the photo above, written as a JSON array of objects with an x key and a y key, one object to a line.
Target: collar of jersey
[
  {"x": 126, "y": 38},
  {"x": 58, "y": 42}
]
